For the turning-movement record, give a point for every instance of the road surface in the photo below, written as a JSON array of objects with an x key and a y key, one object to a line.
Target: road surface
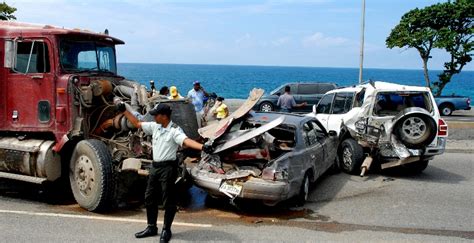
[{"x": 433, "y": 206}]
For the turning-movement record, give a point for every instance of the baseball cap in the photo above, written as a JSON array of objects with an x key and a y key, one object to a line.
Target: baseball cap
[
  {"x": 173, "y": 91},
  {"x": 196, "y": 82},
  {"x": 160, "y": 109}
]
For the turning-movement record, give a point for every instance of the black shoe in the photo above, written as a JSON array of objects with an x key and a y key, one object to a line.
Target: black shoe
[
  {"x": 165, "y": 236},
  {"x": 149, "y": 231}
]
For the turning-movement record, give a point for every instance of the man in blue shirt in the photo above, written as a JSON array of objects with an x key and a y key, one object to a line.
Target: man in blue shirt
[
  {"x": 287, "y": 102},
  {"x": 197, "y": 94}
]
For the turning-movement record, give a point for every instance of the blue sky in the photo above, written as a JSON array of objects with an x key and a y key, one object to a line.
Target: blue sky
[{"x": 319, "y": 33}]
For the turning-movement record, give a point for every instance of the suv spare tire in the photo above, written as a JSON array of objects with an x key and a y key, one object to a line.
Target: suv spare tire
[{"x": 416, "y": 130}]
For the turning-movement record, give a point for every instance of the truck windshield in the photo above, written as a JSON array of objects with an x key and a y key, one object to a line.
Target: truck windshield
[{"x": 85, "y": 56}]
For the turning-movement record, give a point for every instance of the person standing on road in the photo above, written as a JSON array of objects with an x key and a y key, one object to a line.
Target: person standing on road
[
  {"x": 167, "y": 137},
  {"x": 197, "y": 95},
  {"x": 287, "y": 102}
]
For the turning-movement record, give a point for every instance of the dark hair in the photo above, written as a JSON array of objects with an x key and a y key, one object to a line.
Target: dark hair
[
  {"x": 220, "y": 98},
  {"x": 164, "y": 90},
  {"x": 161, "y": 109},
  {"x": 287, "y": 88}
]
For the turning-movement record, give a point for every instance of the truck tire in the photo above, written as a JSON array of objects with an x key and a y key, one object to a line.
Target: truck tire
[
  {"x": 91, "y": 175},
  {"x": 446, "y": 109},
  {"x": 351, "y": 156},
  {"x": 415, "y": 167},
  {"x": 416, "y": 130},
  {"x": 266, "y": 106}
]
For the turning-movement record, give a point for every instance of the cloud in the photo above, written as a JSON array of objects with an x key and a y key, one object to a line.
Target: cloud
[
  {"x": 281, "y": 41},
  {"x": 318, "y": 39}
]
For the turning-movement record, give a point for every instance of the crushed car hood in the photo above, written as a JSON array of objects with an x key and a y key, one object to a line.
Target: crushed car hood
[
  {"x": 249, "y": 134},
  {"x": 213, "y": 131}
]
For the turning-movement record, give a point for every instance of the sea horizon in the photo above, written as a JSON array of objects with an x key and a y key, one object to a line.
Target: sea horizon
[{"x": 235, "y": 81}]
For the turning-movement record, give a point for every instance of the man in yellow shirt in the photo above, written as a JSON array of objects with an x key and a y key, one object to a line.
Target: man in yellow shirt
[
  {"x": 174, "y": 94},
  {"x": 221, "y": 111}
]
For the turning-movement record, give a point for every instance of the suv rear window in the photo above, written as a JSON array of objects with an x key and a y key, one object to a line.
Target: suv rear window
[{"x": 391, "y": 103}]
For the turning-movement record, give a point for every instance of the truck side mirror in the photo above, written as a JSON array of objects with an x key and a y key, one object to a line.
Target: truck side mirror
[
  {"x": 8, "y": 61},
  {"x": 314, "y": 109}
]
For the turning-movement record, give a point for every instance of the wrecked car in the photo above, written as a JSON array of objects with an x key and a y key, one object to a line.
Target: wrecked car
[
  {"x": 269, "y": 157},
  {"x": 391, "y": 124}
]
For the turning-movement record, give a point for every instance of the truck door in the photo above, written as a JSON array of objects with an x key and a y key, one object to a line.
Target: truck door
[{"x": 30, "y": 86}]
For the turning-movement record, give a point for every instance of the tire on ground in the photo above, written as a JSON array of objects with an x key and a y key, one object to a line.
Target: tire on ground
[
  {"x": 446, "y": 109},
  {"x": 351, "y": 156},
  {"x": 91, "y": 175},
  {"x": 304, "y": 189},
  {"x": 416, "y": 130}
]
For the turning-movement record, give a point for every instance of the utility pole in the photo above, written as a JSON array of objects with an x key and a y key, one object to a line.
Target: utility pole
[{"x": 362, "y": 30}]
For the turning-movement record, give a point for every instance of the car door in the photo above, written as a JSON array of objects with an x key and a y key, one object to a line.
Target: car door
[
  {"x": 329, "y": 144},
  {"x": 323, "y": 109},
  {"x": 341, "y": 104},
  {"x": 30, "y": 86},
  {"x": 314, "y": 149}
]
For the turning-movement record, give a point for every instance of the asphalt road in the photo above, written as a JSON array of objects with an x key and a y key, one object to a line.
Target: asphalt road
[{"x": 433, "y": 206}]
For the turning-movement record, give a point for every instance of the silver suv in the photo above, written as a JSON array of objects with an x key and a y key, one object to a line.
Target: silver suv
[{"x": 390, "y": 124}]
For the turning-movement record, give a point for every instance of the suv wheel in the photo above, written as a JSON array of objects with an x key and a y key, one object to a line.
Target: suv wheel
[
  {"x": 416, "y": 131},
  {"x": 351, "y": 156},
  {"x": 266, "y": 106}
]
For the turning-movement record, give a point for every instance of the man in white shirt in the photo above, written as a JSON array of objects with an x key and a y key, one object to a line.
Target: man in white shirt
[{"x": 167, "y": 137}]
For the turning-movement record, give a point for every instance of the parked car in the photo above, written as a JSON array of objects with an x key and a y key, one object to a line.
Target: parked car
[
  {"x": 448, "y": 104},
  {"x": 395, "y": 125},
  {"x": 267, "y": 156},
  {"x": 302, "y": 92}
]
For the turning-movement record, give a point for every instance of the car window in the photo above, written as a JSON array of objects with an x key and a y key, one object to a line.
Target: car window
[
  {"x": 308, "y": 89},
  {"x": 323, "y": 88},
  {"x": 324, "y": 105},
  {"x": 313, "y": 133},
  {"x": 391, "y": 103},
  {"x": 342, "y": 103},
  {"x": 281, "y": 89},
  {"x": 359, "y": 98}
]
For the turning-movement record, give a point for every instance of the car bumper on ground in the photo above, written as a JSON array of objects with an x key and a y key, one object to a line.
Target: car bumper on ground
[{"x": 252, "y": 188}]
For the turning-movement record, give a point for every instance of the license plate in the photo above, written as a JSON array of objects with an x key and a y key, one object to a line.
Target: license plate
[{"x": 230, "y": 188}]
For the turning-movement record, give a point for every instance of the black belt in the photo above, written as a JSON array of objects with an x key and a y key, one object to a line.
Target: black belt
[{"x": 164, "y": 163}]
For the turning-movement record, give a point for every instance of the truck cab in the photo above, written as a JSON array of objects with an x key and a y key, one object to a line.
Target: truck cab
[{"x": 58, "y": 88}]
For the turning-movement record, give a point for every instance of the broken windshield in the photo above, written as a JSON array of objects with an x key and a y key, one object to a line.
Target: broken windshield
[{"x": 87, "y": 56}]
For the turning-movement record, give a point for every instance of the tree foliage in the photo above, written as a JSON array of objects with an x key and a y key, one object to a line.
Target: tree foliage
[
  {"x": 447, "y": 26},
  {"x": 6, "y": 12}
]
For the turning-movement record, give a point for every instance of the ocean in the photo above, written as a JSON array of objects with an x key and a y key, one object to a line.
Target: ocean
[{"x": 231, "y": 81}]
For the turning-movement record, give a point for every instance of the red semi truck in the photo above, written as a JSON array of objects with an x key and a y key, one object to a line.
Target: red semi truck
[{"x": 57, "y": 118}]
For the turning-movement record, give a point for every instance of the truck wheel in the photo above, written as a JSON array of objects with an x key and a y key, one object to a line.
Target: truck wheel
[
  {"x": 351, "y": 156},
  {"x": 304, "y": 190},
  {"x": 446, "y": 109},
  {"x": 415, "y": 167},
  {"x": 416, "y": 131},
  {"x": 91, "y": 175},
  {"x": 266, "y": 106}
]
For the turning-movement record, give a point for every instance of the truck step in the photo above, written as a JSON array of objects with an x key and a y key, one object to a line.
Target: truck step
[{"x": 26, "y": 178}]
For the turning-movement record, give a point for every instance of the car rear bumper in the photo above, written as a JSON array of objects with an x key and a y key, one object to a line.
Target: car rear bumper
[{"x": 253, "y": 188}]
